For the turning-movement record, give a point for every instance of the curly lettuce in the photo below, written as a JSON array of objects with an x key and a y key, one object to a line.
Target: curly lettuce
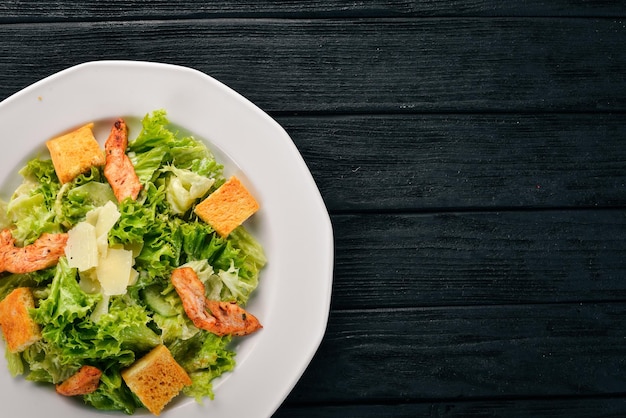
[{"x": 81, "y": 326}]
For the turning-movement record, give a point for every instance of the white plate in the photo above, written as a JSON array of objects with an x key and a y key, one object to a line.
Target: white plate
[{"x": 293, "y": 297}]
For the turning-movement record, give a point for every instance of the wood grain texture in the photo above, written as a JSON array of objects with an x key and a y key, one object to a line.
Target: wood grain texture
[
  {"x": 521, "y": 351},
  {"x": 568, "y": 407},
  {"x": 402, "y": 260},
  {"x": 63, "y": 10},
  {"x": 451, "y": 65},
  {"x": 435, "y": 162},
  {"x": 472, "y": 156}
]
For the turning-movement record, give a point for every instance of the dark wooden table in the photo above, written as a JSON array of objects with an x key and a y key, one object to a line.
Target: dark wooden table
[{"x": 472, "y": 155}]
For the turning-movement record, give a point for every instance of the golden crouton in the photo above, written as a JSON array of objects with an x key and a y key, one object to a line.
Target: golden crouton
[
  {"x": 19, "y": 329},
  {"x": 156, "y": 379},
  {"x": 75, "y": 153},
  {"x": 228, "y": 207}
]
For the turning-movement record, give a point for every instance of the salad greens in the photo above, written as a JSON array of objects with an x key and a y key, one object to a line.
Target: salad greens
[{"x": 82, "y": 326}]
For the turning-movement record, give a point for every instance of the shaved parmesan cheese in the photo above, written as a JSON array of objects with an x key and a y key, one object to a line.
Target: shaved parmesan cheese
[
  {"x": 89, "y": 282},
  {"x": 103, "y": 269},
  {"x": 134, "y": 275},
  {"x": 103, "y": 219},
  {"x": 81, "y": 249},
  {"x": 114, "y": 271}
]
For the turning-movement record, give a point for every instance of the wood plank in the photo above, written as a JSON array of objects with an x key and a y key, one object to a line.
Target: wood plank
[
  {"x": 47, "y": 10},
  {"x": 547, "y": 408},
  {"x": 431, "y": 162},
  {"x": 404, "y": 260},
  {"x": 520, "y": 351},
  {"x": 455, "y": 65}
]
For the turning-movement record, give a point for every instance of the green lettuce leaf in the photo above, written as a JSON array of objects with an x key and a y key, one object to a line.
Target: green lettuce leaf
[
  {"x": 41, "y": 173},
  {"x": 239, "y": 265},
  {"x": 158, "y": 145},
  {"x": 113, "y": 394},
  {"x": 66, "y": 302},
  {"x": 205, "y": 356},
  {"x": 14, "y": 363},
  {"x": 127, "y": 325},
  {"x": 184, "y": 187},
  {"x": 199, "y": 242},
  {"x": 72, "y": 206},
  {"x": 30, "y": 216},
  {"x": 161, "y": 250}
]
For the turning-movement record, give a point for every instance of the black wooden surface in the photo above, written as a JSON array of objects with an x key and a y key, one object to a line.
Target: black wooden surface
[{"x": 472, "y": 155}]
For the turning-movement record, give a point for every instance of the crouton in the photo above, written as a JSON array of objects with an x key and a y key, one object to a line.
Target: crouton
[
  {"x": 19, "y": 329},
  {"x": 227, "y": 207},
  {"x": 156, "y": 379},
  {"x": 75, "y": 153}
]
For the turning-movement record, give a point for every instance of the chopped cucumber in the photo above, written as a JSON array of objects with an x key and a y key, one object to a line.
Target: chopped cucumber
[{"x": 157, "y": 302}]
